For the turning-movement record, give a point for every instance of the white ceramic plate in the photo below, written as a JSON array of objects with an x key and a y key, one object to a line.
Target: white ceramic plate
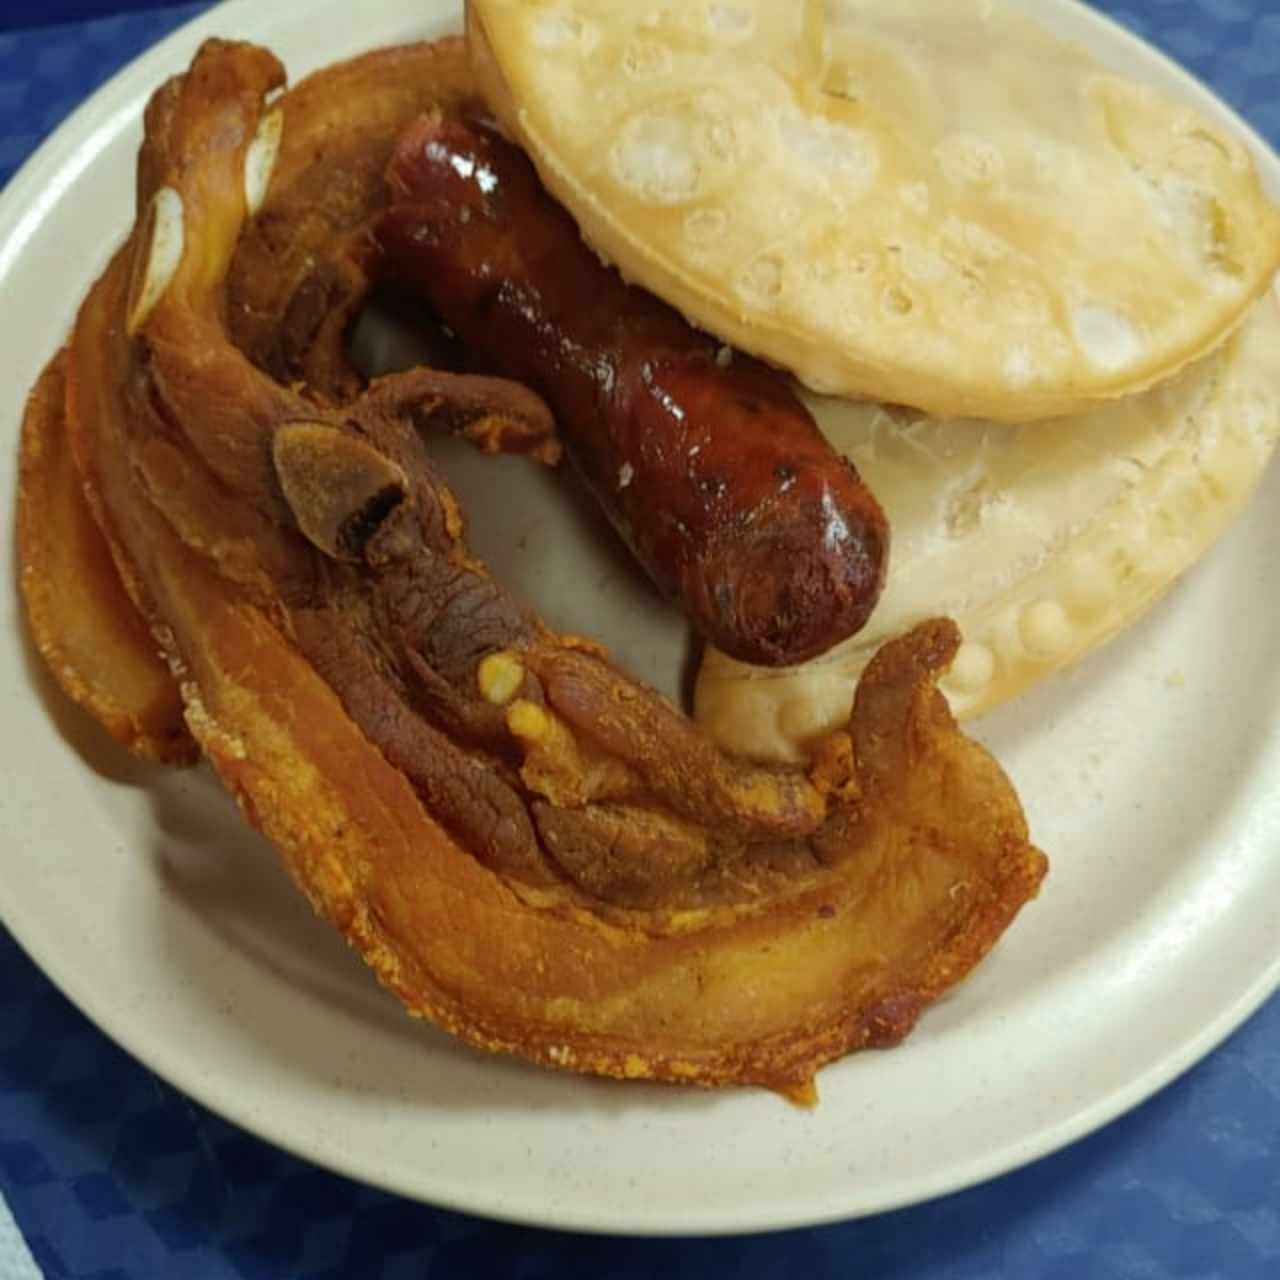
[{"x": 1150, "y": 775}]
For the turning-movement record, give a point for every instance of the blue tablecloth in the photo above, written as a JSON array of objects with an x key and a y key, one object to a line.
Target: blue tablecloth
[{"x": 110, "y": 1173}]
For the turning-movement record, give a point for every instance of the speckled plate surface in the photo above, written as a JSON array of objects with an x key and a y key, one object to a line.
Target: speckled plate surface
[{"x": 1148, "y": 773}]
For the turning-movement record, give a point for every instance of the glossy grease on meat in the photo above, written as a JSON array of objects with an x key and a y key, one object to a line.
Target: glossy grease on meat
[{"x": 708, "y": 465}]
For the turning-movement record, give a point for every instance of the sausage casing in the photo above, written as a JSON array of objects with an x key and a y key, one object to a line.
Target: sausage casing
[{"x": 708, "y": 465}]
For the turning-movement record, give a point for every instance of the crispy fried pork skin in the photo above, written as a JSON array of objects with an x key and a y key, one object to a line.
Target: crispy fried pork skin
[
  {"x": 531, "y": 850},
  {"x": 82, "y": 621}
]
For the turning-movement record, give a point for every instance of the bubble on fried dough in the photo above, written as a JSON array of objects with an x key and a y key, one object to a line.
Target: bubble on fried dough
[
  {"x": 1045, "y": 629},
  {"x": 1107, "y": 338},
  {"x": 973, "y": 668},
  {"x": 555, "y": 29},
  {"x": 1005, "y": 634},
  {"x": 761, "y": 279},
  {"x": 162, "y": 244},
  {"x": 1087, "y": 583},
  {"x": 831, "y": 154},
  {"x": 646, "y": 60},
  {"x": 730, "y": 21},
  {"x": 1223, "y": 469},
  {"x": 656, "y": 159},
  {"x": 1019, "y": 365},
  {"x": 705, "y": 226},
  {"x": 718, "y": 140},
  {"x": 260, "y": 159}
]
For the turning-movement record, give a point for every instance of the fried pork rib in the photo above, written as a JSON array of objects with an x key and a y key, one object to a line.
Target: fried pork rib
[
  {"x": 304, "y": 265},
  {"x": 530, "y": 849}
]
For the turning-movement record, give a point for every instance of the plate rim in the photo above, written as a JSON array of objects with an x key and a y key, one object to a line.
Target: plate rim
[{"x": 23, "y": 205}]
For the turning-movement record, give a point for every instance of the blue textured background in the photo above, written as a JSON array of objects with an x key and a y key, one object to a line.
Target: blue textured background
[{"x": 113, "y": 1175}]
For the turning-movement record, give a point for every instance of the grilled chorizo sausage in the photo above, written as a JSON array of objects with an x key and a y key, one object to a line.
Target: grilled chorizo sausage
[{"x": 708, "y": 465}]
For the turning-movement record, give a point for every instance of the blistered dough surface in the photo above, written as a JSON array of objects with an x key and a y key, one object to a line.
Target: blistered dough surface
[
  {"x": 1041, "y": 544},
  {"x": 940, "y": 205}
]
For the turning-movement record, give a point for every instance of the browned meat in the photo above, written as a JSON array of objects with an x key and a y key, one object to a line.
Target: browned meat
[{"x": 528, "y": 847}]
